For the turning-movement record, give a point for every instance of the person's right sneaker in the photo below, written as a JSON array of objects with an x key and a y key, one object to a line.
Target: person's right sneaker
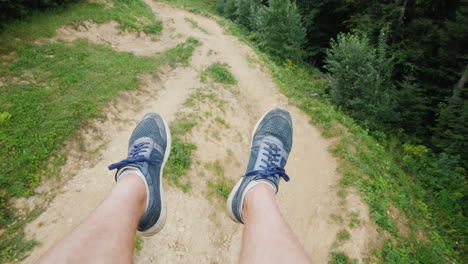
[{"x": 271, "y": 145}]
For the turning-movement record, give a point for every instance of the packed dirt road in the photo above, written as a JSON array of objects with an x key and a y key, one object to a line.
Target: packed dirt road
[{"x": 198, "y": 229}]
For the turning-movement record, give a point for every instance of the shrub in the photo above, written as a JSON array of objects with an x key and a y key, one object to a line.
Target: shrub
[
  {"x": 220, "y": 6},
  {"x": 246, "y": 12},
  {"x": 280, "y": 30},
  {"x": 230, "y": 9},
  {"x": 14, "y": 9},
  {"x": 362, "y": 80}
]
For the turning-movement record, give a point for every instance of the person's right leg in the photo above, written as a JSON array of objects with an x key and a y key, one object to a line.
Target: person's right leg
[{"x": 267, "y": 237}]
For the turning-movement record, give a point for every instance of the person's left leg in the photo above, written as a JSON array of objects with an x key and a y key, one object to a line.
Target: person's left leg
[{"x": 108, "y": 234}]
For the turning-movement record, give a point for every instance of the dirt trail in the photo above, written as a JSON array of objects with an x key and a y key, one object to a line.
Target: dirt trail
[{"x": 198, "y": 230}]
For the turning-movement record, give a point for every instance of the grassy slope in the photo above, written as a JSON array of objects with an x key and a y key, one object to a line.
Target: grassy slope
[
  {"x": 372, "y": 165},
  {"x": 51, "y": 90}
]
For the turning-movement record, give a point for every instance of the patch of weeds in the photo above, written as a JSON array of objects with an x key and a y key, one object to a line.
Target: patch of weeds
[
  {"x": 4, "y": 117},
  {"x": 216, "y": 168},
  {"x": 341, "y": 258},
  {"x": 203, "y": 96},
  {"x": 153, "y": 28},
  {"x": 180, "y": 159},
  {"x": 229, "y": 153},
  {"x": 195, "y": 25},
  {"x": 336, "y": 218},
  {"x": 342, "y": 193},
  {"x": 14, "y": 242},
  {"x": 215, "y": 134},
  {"x": 218, "y": 72},
  {"x": 354, "y": 220},
  {"x": 343, "y": 235},
  {"x": 138, "y": 243},
  {"x": 210, "y": 52},
  {"x": 135, "y": 15},
  {"x": 181, "y": 54},
  {"x": 182, "y": 125},
  {"x": 199, "y": 6},
  {"x": 201, "y": 174},
  {"x": 221, "y": 121},
  {"x": 179, "y": 162},
  {"x": 220, "y": 187},
  {"x": 252, "y": 60}
]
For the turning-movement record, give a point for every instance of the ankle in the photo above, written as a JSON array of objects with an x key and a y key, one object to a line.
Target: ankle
[
  {"x": 260, "y": 197},
  {"x": 136, "y": 188}
]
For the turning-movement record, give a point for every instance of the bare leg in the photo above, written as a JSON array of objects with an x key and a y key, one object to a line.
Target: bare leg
[
  {"x": 267, "y": 237},
  {"x": 108, "y": 234}
]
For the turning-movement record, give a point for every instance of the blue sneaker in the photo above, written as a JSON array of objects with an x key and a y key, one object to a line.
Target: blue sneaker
[
  {"x": 271, "y": 145},
  {"x": 149, "y": 148}
]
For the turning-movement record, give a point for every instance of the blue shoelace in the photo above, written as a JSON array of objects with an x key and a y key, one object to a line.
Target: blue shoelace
[
  {"x": 270, "y": 169},
  {"x": 134, "y": 156}
]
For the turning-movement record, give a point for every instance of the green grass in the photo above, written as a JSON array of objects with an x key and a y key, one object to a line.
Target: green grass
[
  {"x": 343, "y": 235},
  {"x": 195, "y": 25},
  {"x": 218, "y": 72},
  {"x": 220, "y": 187},
  {"x": 180, "y": 54},
  {"x": 183, "y": 125},
  {"x": 199, "y": 6},
  {"x": 336, "y": 218},
  {"x": 179, "y": 162},
  {"x": 132, "y": 15},
  {"x": 221, "y": 121},
  {"x": 138, "y": 244},
  {"x": 341, "y": 258},
  {"x": 180, "y": 159}
]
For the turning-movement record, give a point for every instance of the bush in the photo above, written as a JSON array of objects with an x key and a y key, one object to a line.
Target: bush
[
  {"x": 246, "y": 12},
  {"x": 280, "y": 30},
  {"x": 230, "y": 9},
  {"x": 220, "y": 6},
  {"x": 362, "y": 80},
  {"x": 14, "y": 9}
]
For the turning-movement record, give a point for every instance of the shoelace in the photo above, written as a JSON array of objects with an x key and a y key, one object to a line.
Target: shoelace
[
  {"x": 134, "y": 156},
  {"x": 270, "y": 168}
]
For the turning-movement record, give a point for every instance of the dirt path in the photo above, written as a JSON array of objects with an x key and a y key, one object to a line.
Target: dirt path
[{"x": 198, "y": 230}]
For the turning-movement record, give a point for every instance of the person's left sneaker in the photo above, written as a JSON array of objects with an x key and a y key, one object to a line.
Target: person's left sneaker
[{"x": 149, "y": 148}]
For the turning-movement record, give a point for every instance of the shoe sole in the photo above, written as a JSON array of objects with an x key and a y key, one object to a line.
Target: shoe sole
[
  {"x": 158, "y": 226},
  {"x": 236, "y": 187}
]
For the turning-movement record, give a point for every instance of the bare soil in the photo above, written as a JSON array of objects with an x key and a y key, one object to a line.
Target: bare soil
[{"x": 198, "y": 229}]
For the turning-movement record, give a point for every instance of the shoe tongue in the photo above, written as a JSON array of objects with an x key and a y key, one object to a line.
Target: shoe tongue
[
  {"x": 262, "y": 150},
  {"x": 146, "y": 152}
]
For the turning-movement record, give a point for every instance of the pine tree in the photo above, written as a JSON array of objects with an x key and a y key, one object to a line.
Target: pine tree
[
  {"x": 220, "y": 6},
  {"x": 230, "y": 9},
  {"x": 280, "y": 30},
  {"x": 451, "y": 132},
  {"x": 362, "y": 80},
  {"x": 246, "y": 12}
]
